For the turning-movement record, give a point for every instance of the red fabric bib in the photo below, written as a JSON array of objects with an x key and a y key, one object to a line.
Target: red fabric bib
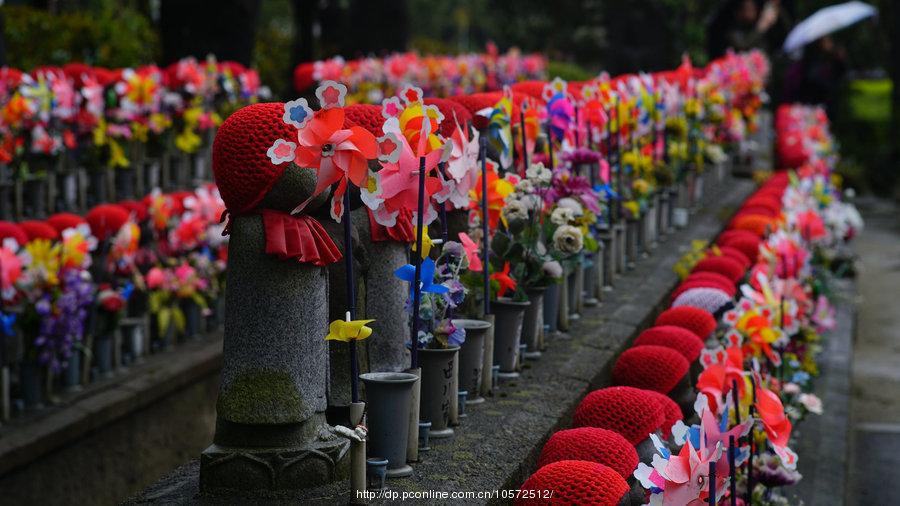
[
  {"x": 401, "y": 232},
  {"x": 298, "y": 237}
]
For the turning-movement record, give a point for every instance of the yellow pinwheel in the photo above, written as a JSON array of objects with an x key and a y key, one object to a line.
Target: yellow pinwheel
[{"x": 346, "y": 331}]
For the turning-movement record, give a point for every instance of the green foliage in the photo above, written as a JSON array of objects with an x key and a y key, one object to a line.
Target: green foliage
[
  {"x": 862, "y": 125},
  {"x": 272, "y": 52},
  {"x": 110, "y": 36},
  {"x": 568, "y": 71}
]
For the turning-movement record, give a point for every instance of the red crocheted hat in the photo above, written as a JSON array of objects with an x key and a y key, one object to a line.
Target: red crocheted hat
[
  {"x": 531, "y": 88},
  {"x": 725, "y": 266},
  {"x": 728, "y": 288},
  {"x": 365, "y": 115},
  {"x": 478, "y": 101},
  {"x": 746, "y": 243},
  {"x": 698, "y": 321},
  {"x": 62, "y": 221},
  {"x": 730, "y": 235},
  {"x": 759, "y": 209},
  {"x": 592, "y": 444},
  {"x": 671, "y": 412},
  {"x": 106, "y": 220},
  {"x": 713, "y": 277},
  {"x": 679, "y": 339},
  {"x": 732, "y": 252},
  {"x": 35, "y": 229},
  {"x": 650, "y": 367},
  {"x": 756, "y": 223},
  {"x": 626, "y": 410},
  {"x": 138, "y": 209},
  {"x": 10, "y": 229},
  {"x": 303, "y": 76},
  {"x": 574, "y": 482},
  {"x": 243, "y": 171},
  {"x": 450, "y": 109}
]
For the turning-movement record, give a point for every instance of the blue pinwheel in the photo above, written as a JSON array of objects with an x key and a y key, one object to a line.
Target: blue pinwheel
[
  {"x": 6, "y": 324},
  {"x": 408, "y": 273}
]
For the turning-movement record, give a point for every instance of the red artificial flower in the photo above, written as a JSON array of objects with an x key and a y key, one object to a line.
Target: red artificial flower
[{"x": 506, "y": 282}]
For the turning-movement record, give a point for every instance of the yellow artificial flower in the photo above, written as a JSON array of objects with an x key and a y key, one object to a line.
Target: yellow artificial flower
[
  {"x": 42, "y": 258},
  {"x": 139, "y": 131},
  {"x": 188, "y": 141},
  {"x": 117, "y": 156}
]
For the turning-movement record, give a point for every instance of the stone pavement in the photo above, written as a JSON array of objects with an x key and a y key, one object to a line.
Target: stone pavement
[{"x": 875, "y": 408}]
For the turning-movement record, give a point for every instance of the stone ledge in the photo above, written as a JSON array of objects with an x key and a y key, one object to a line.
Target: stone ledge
[
  {"x": 823, "y": 440},
  {"x": 498, "y": 443},
  {"x": 30, "y": 437}
]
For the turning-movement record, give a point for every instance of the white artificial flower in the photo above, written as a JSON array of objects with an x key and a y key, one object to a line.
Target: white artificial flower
[{"x": 562, "y": 216}]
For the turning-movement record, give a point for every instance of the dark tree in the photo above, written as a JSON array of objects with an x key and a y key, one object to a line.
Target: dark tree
[{"x": 225, "y": 28}]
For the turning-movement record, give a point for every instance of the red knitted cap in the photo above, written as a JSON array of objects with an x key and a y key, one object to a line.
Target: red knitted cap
[
  {"x": 365, "y": 115},
  {"x": 671, "y": 412},
  {"x": 698, "y": 321},
  {"x": 243, "y": 171},
  {"x": 106, "y": 220},
  {"x": 732, "y": 252},
  {"x": 35, "y": 229},
  {"x": 592, "y": 444},
  {"x": 62, "y": 221},
  {"x": 756, "y": 223},
  {"x": 478, "y": 101},
  {"x": 10, "y": 229},
  {"x": 732, "y": 234},
  {"x": 138, "y": 209},
  {"x": 650, "y": 367},
  {"x": 626, "y": 410},
  {"x": 747, "y": 244},
  {"x": 759, "y": 209},
  {"x": 303, "y": 76},
  {"x": 450, "y": 109},
  {"x": 728, "y": 287},
  {"x": 574, "y": 482},
  {"x": 714, "y": 277},
  {"x": 725, "y": 266},
  {"x": 679, "y": 339},
  {"x": 531, "y": 88}
]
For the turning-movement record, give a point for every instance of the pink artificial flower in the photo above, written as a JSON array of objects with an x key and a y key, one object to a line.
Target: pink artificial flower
[{"x": 155, "y": 278}]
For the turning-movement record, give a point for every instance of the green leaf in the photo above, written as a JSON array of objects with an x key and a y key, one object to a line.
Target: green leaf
[
  {"x": 178, "y": 319},
  {"x": 163, "y": 319}
]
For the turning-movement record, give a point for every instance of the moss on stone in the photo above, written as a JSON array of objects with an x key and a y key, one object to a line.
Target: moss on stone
[{"x": 261, "y": 396}]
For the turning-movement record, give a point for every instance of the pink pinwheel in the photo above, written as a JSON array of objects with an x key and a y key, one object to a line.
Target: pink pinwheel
[
  {"x": 722, "y": 368},
  {"x": 462, "y": 166},
  {"x": 471, "y": 249},
  {"x": 339, "y": 155},
  {"x": 683, "y": 479},
  {"x": 395, "y": 187}
]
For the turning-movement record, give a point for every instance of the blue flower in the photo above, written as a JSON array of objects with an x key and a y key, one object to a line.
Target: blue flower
[{"x": 297, "y": 113}]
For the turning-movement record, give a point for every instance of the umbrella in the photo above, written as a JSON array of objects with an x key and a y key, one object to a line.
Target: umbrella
[{"x": 825, "y": 21}]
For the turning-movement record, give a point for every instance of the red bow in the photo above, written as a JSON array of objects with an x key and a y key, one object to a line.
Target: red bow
[
  {"x": 401, "y": 232},
  {"x": 298, "y": 237}
]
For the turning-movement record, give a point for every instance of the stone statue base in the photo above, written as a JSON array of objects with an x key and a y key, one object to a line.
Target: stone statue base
[{"x": 230, "y": 469}]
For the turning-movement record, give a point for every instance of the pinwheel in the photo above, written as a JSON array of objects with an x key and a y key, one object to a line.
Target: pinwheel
[
  {"x": 462, "y": 165},
  {"x": 497, "y": 190},
  {"x": 7, "y": 322},
  {"x": 471, "y": 249},
  {"x": 426, "y": 279},
  {"x": 394, "y": 187},
  {"x": 346, "y": 331},
  {"x": 339, "y": 155}
]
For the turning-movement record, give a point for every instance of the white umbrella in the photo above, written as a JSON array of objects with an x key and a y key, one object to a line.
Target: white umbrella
[{"x": 825, "y": 21}]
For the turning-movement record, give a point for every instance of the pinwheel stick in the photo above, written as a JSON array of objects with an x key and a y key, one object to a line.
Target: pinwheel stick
[
  {"x": 550, "y": 146},
  {"x": 577, "y": 126},
  {"x": 749, "y": 494},
  {"x": 443, "y": 168},
  {"x": 417, "y": 262},
  {"x": 737, "y": 402},
  {"x": 732, "y": 449},
  {"x": 712, "y": 482},
  {"x": 484, "y": 226},
  {"x": 524, "y": 138},
  {"x": 351, "y": 291}
]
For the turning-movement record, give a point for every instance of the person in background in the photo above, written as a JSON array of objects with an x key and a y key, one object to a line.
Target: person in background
[
  {"x": 742, "y": 25},
  {"x": 816, "y": 78}
]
